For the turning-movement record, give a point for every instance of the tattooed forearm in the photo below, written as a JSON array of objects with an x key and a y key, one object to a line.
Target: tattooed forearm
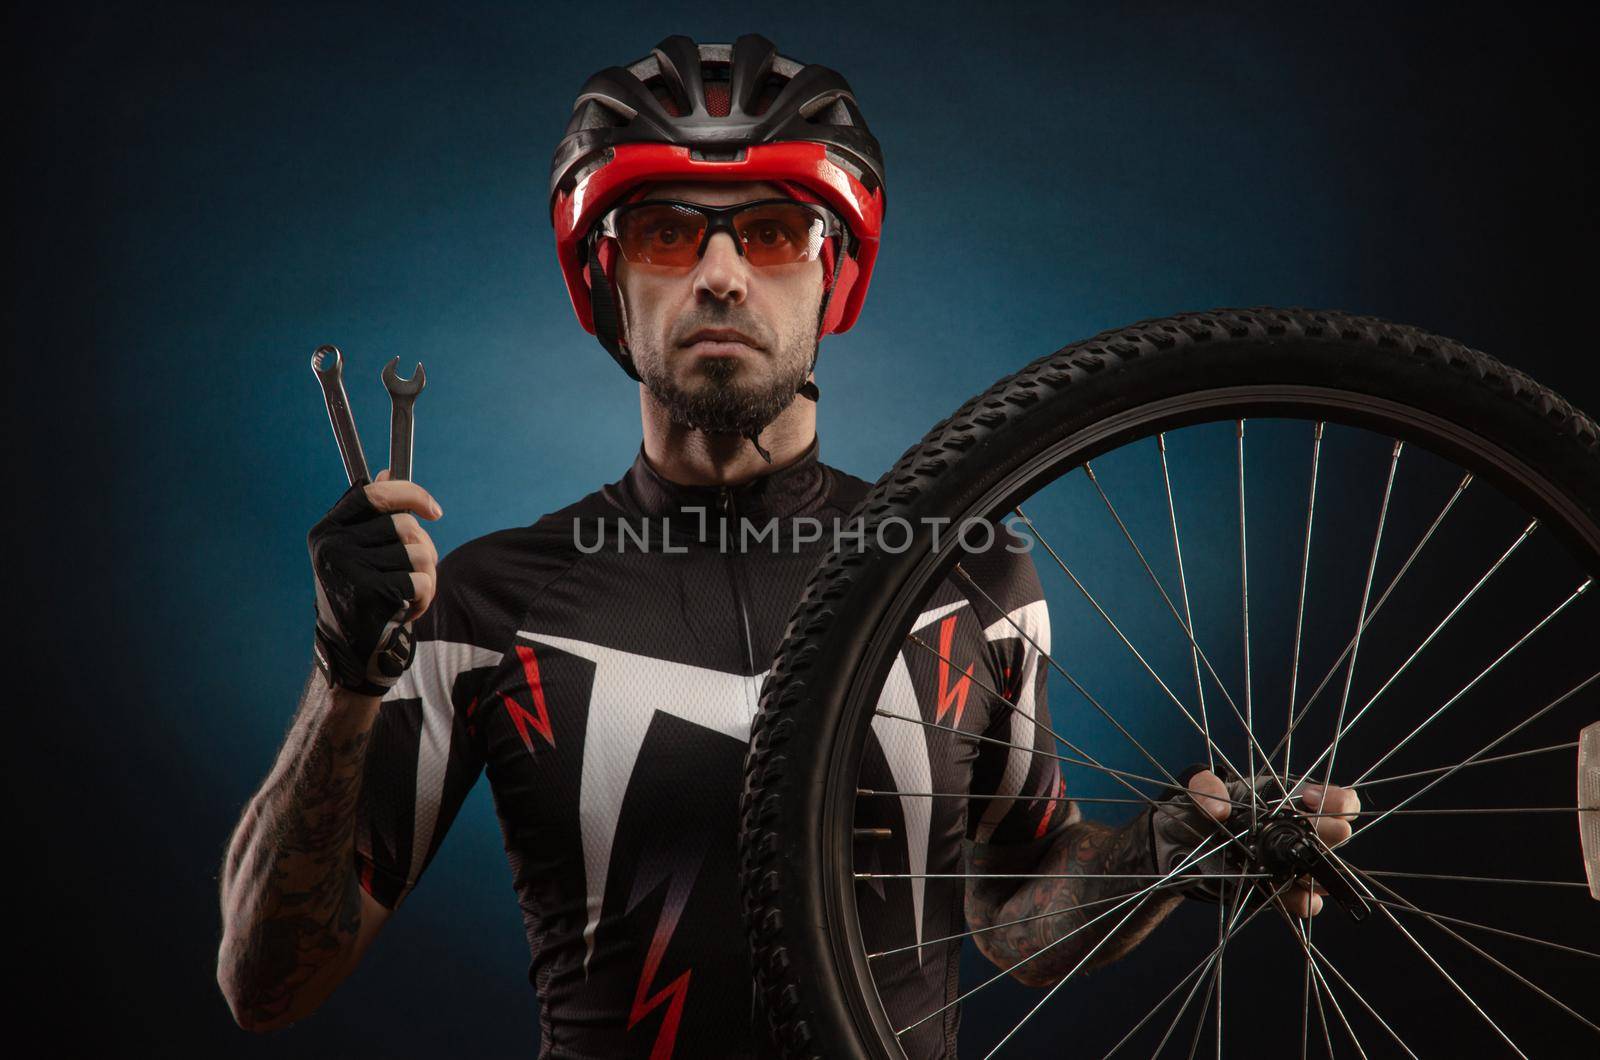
[
  {"x": 1026, "y": 924},
  {"x": 291, "y": 904}
]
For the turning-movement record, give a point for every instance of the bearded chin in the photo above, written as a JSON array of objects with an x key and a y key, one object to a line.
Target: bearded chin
[{"x": 719, "y": 401}]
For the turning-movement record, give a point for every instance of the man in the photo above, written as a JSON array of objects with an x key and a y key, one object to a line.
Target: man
[{"x": 717, "y": 211}]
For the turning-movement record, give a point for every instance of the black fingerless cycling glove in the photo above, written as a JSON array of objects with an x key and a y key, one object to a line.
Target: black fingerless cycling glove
[
  {"x": 1177, "y": 826},
  {"x": 364, "y": 591}
]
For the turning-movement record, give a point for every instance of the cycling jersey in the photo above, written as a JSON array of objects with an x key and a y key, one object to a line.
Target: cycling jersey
[{"x": 602, "y": 666}]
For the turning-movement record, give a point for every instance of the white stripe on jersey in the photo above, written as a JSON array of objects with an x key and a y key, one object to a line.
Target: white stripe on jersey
[{"x": 430, "y": 678}]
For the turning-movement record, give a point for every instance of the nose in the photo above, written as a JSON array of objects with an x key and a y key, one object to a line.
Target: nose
[{"x": 722, "y": 274}]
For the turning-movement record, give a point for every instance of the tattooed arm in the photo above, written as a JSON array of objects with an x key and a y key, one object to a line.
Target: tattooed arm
[
  {"x": 1079, "y": 852},
  {"x": 295, "y": 919}
]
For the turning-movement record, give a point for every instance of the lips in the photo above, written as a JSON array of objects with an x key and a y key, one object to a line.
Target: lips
[{"x": 720, "y": 335}]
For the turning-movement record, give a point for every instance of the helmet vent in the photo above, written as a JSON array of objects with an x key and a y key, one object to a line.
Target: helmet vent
[
  {"x": 717, "y": 102},
  {"x": 769, "y": 92},
  {"x": 659, "y": 89}
]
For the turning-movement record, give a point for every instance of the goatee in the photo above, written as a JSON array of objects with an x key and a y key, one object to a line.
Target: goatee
[{"x": 723, "y": 403}]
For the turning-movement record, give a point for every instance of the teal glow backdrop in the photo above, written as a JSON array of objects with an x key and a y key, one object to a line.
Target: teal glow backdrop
[{"x": 208, "y": 192}]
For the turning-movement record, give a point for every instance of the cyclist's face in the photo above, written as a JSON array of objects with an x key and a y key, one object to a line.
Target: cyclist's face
[{"x": 721, "y": 385}]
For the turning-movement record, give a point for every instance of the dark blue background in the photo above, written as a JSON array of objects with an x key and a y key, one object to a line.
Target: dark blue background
[{"x": 206, "y": 193}]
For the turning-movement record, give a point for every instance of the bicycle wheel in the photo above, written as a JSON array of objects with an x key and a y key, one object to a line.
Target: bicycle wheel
[{"x": 1298, "y": 543}]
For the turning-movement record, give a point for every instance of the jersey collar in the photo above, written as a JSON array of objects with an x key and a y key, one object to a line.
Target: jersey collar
[{"x": 797, "y": 488}]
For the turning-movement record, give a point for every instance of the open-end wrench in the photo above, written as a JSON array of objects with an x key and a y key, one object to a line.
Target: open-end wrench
[
  {"x": 402, "y": 421},
  {"x": 328, "y": 365}
]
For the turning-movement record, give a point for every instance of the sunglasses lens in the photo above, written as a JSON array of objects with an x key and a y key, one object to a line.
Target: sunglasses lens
[
  {"x": 660, "y": 235},
  {"x": 780, "y": 233},
  {"x": 774, "y": 233}
]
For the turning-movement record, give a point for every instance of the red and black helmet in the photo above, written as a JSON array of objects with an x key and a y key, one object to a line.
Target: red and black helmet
[{"x": 714, "y": 112}]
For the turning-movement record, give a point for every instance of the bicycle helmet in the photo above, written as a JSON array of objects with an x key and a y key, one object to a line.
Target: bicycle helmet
[{"x": 714, "y": 112}]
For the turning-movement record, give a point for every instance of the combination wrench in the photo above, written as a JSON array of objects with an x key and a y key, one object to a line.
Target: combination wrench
[
  {"x": 402, "y": 420},
  {"x": 328, "y": 364}
]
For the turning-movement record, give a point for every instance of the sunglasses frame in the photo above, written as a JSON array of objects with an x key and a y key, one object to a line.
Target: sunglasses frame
[{"x": 718, "y": 219}]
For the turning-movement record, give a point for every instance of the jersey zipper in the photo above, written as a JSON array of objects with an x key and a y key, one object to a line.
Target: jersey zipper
[{"x": 736, "y": 580}]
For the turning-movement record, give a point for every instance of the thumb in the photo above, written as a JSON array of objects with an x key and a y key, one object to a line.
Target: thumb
[
  {"x": 383, "y": 476},
  {"x": 1210, "y": 794}
]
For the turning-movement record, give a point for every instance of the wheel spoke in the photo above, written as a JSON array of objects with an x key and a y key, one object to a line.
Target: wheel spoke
[
  {"x": 1045, "y": 915},
  {"x": 1177, "y": 1017},
  {"x": 1200, "y": 1021},
  {"x": 1470, "y": 685},
  {"x": 1170, "y": 779},
  {"x": 1472, "y": 879},
  {"x": 1088, "y": 760},
  {"x": 1338, "y": 1010},
  {"x": 1300, "y": 606},
  {"x": 1079, "y": 964},
  {"x": 1140, "y": 895},
  {"x": 1475, "y": 948},
  {"x": 1305, "y": 1001},
  {"x": 1198, "y": 654},
  {"x": 1225, "y": 919},
  {"x": 1136, "y": 653},
  {"x": 1370, "y": 782},
  {"x": 1197, "y": 970},
  {"x": 1408, "y": 907},
  {"x": 1479, "y": 584},
  {"x": 1479, "y": 756},
  {"x": 1074, "y": 969},
  {"x": 1244, "y": 618},
  {"x": 1526, "y": 533},
  {"x": 865, "y": 792},
  {"x": 1317, "y": 960},
  {"x": 1183, "y": 589},
  {"x": 1360, "y": 878},
  {"x": 1478, "y": 810},
  {"x": 1372, "y": 614},
  {"x": 980, "y": 738},
  {"x": 1058, "y": 875},
  {"x": 1361, "y": 621},
  {"x": 1322, "y": 1014}
]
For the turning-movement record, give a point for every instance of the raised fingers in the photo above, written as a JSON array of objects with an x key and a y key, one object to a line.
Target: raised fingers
[
  {"x": 1339, "y": 807},
  {"x": 1210, "y": 794},
  {"x": 1302, "y": 899},
  {"x": 411, "y": 532},
  {"x": 423, "y": 584},
  {"x": 389, "y": 496},
  {"x": 1342, "y": 801},
  {"x": 422, "y": 558}
]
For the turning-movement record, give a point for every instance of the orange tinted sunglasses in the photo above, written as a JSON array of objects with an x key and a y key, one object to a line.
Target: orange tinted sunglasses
[{"x": 674, "y": 233}]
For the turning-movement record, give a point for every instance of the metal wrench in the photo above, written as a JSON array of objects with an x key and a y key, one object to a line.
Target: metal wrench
[
  {"x": 402, "y": 420},
  {"x": 328, "y": 364}
]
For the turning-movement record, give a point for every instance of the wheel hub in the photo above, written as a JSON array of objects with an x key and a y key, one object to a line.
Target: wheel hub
[{"x": 1284, "y": 845}]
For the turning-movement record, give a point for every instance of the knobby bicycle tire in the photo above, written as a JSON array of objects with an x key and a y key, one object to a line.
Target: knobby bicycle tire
[{"x": 1086, "y": 398}]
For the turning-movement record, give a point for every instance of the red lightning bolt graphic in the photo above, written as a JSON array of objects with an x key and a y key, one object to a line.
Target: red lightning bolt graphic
[
  {"x": 1050, "y": 808},
  {"x": 679, "y": 878},
  {"x": 673, "y": 993},
  {"x": 539, "y": 720},
  {"x": 948, "y": 695}
]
